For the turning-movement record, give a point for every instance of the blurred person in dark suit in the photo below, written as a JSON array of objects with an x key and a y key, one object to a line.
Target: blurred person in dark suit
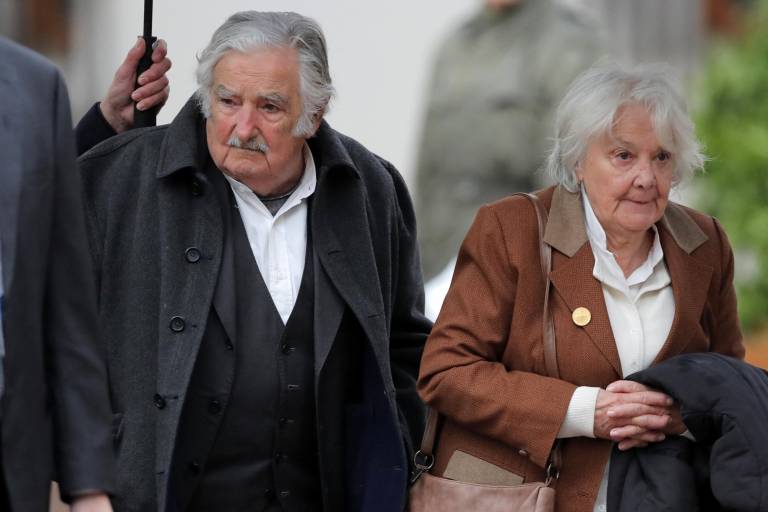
[
  {"x": 48, "y": 335},
  {"x": 54, "y": 413}
]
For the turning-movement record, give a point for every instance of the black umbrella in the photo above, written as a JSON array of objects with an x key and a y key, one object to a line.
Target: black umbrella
[{"x": 143, "y": 118}]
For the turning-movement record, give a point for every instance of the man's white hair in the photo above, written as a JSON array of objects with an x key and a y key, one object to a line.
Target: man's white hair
[
  {"x": 252, "y": 30},
  {"x": 590, "y": 107}
]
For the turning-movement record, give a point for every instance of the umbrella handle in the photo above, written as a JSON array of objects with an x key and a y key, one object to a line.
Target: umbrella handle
[{"x": 143, "y": 118}]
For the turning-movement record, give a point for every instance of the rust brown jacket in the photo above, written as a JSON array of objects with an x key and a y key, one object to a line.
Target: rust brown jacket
[{"x": 483, "y": 365}]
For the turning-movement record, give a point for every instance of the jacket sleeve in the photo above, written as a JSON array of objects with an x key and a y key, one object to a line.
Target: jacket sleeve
[
  {"x": 77, "y": 359},
  {"x": 725, "y": 332},
  {"x": 462, "y": 374},
  {"x": 92, "y": 129},
  {"x": 409, "y": 328}
]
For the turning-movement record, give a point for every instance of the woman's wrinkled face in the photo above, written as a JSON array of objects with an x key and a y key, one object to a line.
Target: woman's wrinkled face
[{"x": 627, "y": 175}]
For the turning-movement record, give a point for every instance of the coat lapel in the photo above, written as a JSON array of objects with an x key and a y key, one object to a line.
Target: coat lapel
[
  {"x": 10, "y": 177},
  {"x": 190, "y": 217},
  {"x": 680, "y": 236},
  {"x": 572, "y": 271},
  {"x": 345, "y": 262}
]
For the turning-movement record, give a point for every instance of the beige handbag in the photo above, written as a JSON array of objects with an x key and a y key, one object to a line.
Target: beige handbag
[{"x": 430, "y": 493}]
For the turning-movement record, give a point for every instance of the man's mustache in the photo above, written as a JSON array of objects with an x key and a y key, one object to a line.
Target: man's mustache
[{"x": 252, "y": 144}]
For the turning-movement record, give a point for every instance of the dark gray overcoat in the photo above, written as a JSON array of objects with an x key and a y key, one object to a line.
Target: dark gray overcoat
[{"x": 148, "y": 200}]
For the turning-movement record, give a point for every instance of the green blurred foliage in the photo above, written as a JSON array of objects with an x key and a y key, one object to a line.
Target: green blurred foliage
[{"x": 732, "y": 121}]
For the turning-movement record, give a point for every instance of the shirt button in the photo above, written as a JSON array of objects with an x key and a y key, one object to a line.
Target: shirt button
[
  {"x": 177, "y": 324},
  {"x": 159, "y": 401},
  {"x": 192, "y": 254},
  {"x": 214, "y": 407}
]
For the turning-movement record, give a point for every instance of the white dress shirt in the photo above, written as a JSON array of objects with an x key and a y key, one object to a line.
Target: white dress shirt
[
  {"x": 641, "y": 309},
  {"x": 279, "y": 242}
]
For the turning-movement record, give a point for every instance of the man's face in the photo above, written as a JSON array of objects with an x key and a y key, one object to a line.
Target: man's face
[{"x": 255, "y": 104}]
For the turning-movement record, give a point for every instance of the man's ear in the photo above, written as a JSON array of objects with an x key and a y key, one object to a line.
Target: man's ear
[{"x": 317, "y": 118}]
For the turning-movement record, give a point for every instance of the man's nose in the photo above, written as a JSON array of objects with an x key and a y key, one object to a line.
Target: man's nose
[{"x": 247, "y": 124}]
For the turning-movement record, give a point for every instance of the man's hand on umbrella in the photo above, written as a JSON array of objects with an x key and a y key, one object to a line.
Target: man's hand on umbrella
[{"x": 153, "y": 91}]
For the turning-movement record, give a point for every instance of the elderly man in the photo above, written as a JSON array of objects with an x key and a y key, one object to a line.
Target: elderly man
[{"x": 260, "y": 289}]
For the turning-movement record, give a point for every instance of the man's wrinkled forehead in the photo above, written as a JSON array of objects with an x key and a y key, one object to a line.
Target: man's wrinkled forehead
[{"x": 231, "y": 92}]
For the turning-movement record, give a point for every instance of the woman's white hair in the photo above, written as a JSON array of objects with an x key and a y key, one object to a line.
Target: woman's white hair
[
  {"x": 252, "y": 30},
  {"x": 590, "y": 107}
]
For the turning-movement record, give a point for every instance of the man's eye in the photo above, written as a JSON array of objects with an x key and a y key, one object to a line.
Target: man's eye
[
  {"x": 269, "y": 107},
  {"x": 227, "y": 101}
]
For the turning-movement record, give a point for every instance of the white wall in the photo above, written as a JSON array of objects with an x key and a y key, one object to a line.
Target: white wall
[{"x": 380, "y": 53}]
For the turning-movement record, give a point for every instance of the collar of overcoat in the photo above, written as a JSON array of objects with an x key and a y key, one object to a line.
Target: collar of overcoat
[
  {"x": 574, "y": 261},
  {"x": 344, "y": 260}
]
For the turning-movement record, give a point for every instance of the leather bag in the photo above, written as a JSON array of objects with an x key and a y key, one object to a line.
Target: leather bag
[{"x": 431, "y": 493}]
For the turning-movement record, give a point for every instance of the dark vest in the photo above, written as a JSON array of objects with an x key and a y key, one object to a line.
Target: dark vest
[{"x": 247, "y": 438}]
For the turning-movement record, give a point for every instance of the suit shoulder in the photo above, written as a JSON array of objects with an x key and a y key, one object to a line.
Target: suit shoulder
[{"x": 27, "y": 63}]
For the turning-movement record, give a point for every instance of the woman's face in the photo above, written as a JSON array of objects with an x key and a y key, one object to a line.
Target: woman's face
[{"x": 627, "y": 176}]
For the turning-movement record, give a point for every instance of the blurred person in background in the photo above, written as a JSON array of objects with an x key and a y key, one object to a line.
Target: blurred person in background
[
  {"x": 635, "y": 280},
  {"x": 279, "y": 259},
  {"x": 495, "y": 84},
  {"x": 55, "y": 411}
]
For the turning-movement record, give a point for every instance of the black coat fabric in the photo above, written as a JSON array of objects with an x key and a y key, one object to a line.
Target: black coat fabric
[
  {"x": 724, "y": 404},
  {"x": 148, "y": 200},
  {"x": 55, "y": 401}
]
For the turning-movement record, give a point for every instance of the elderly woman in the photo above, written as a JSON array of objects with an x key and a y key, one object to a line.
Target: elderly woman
[{"x": 635, "y": 279}]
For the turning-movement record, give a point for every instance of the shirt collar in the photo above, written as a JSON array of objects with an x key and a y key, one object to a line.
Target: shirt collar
[
  {"x": 605, "y": 262},
  {"x": 303, "y": 190}
]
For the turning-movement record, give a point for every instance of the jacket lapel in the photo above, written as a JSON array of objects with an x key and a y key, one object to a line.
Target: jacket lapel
[
  {"x": 345, "y": 262},
  {"x": 10, "y": 177},
  {"x": 572, "y": 271},
  {"x": 680, "y": 236},
  {"x": 190, "y": 217}
]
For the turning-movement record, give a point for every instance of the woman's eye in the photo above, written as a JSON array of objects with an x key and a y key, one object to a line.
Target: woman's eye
[
  {"x": 663, "y": 156},
  {"x": 623, "y": 155}
]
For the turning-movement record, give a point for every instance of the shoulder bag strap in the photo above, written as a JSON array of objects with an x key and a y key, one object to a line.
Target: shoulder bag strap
[{"x": 424, "y": 458}]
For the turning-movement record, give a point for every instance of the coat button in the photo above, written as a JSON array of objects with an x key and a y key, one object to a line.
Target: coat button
[
  {"x": 214, "y": 407},
  {"x": 286, "y": 348},
  {"x": 279, "y": 457},
  {"x": 228, "y": 345},
  {"x": 192, "y": 254},
  {"x": 196, "y": 188},
  {"x": 269, "y": 494},
  {"x": 159, "y": 401},
  {"x": 282, "y": 421},
  {"x": 177, "y": 324},
  {"x": 194, "y": 467},
  {"x": 285, "y": 494}
]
